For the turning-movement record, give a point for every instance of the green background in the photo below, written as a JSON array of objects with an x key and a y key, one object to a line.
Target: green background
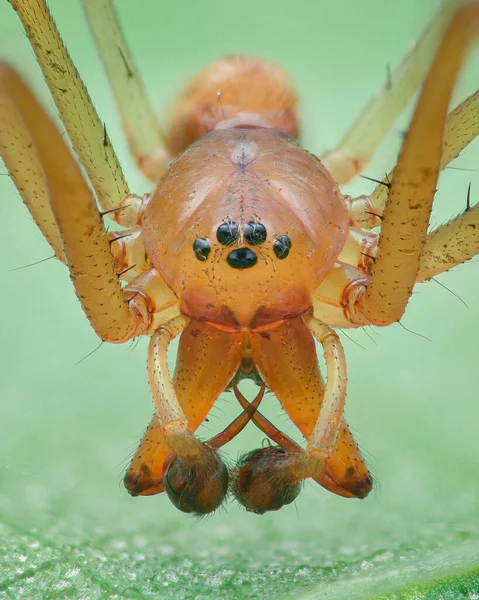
[{"x": 68, "y": 528}]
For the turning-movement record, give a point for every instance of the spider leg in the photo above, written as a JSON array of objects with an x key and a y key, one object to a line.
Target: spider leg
[
  {"x": 128, "y": 250},
  {"x": 139, "y": 120},
  {"x": 406, "y": 217},
  {"x": 359, "y": 144},
  {"x": 362, "y": 212},
  {"x": 450, "y": 245},
  {"x": 25, "y": 169},
  {"x": 86, "y": 247},
  {"x": 462, "y": 126},
  {"x": 322, "y": 440},
  {"x": 331, "y": 298},
  {"x": 207, "y": 360},
  {"x": 359, "y": 249},
  {"x": 144, "y": 476},
  {"x": 286, "y": 359},
  {"x": 86, "y": 131}
]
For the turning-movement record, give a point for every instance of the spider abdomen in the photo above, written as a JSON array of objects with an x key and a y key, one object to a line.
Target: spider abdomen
[{"x": 236, "y": 91}]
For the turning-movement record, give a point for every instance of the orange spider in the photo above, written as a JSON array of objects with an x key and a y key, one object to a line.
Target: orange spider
[{"x": 246, "y": 248}]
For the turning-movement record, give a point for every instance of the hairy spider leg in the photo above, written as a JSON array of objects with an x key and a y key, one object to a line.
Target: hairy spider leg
[
  {"x": 462, "y": 126},
  {"x": 86, "y": 247},
  {"x": 287, "y": 361},
  {"x": 77, "y": 112},
  {"x": 457, "y": 241},
  {"x": 143, "y": 133},
  {"x": 362, "y": 139},
  {"x": 405, "y": 253},
  {"x": 197, "y": 385},
  {"x": 25, "y": 168},
  {"x": 406, "y": 217}
]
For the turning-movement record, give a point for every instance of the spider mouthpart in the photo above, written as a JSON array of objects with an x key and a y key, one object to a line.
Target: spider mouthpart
[
  {"x": 242, "y": 258},
  {"x": 227, "y": 233},
  {"x": 254, "y": 233},
  {"x": 263, "y": 480},
  {"x": 201, "y": 248},
  {"x": 200, "y": 488},
  {"x": 282, "y": 246}
]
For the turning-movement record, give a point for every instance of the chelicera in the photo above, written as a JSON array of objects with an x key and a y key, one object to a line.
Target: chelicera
[{"x": 246, "y": 248}]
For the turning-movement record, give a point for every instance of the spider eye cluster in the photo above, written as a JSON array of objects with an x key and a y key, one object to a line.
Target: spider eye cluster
[{"x": 255, "y": 234}]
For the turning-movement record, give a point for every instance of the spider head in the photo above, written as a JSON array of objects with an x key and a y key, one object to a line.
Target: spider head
[{"x": 244, "y": 227}]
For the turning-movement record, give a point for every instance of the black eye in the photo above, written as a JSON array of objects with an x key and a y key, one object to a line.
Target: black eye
[
  {"x": 282, "y": 246},
  {"x": 254, "y": 233},
  {"x": 201, "y": 248},
  {"x": 227, "y": 233},
  {"x": 242, "y": 258}
]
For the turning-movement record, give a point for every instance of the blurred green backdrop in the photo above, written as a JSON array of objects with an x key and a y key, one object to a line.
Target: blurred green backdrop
[{"x": 68, "y": 528}]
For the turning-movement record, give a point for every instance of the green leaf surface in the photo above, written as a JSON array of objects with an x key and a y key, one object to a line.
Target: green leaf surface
[{"x": 68, "y": 426}]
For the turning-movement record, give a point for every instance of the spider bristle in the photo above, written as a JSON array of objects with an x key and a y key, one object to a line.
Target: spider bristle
[
  {"x": 90, "y": 353},
  {"x": 126, "y": 270},
  {"x": 134, "y": 296},
  {"x": 378, "y": 181},
  {"x": 106, "y": 141},
  {"x": 106, "y": 212},
  {"x": 373, "y": 258},
  {"x": 129, "y": 72},
  {"x": 33, "y": 263},
  {"x": 468, "y": 198},
  {"x": 120, "y": 237},
  {"x": 368, "y": 212}
]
